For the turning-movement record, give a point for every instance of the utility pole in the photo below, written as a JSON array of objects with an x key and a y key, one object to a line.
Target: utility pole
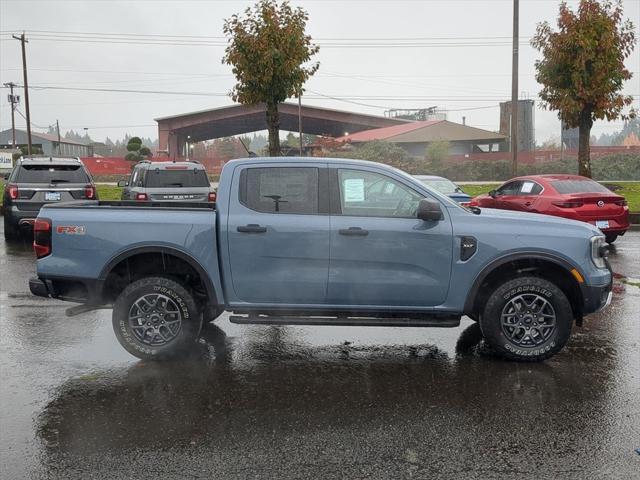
[
  {"x": 24, "y": 41},
  {"x": 300, "y": 120},
  {"x": 58, "y": 129},
  {"x": 514, "y": 89},
  {"x": 13, "y": 99}
]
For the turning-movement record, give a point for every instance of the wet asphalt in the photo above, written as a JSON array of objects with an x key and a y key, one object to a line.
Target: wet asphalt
[{"x": 317, "y": 402}]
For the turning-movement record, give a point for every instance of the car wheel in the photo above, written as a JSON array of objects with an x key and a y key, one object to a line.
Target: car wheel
[
  {"x": 527, "y": 319},
  {"x": 156, "y": 318},
  {"x": 11, "y": 232},
  {"x": 610, "y": 238}
]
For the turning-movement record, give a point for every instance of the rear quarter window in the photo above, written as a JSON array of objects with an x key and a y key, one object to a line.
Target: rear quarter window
[
  {"x": 579, "y": 186},
  {"x": 46, "y": 173}
]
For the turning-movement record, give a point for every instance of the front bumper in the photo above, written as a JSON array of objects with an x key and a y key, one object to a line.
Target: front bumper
[{"x": 597, "y": 297}]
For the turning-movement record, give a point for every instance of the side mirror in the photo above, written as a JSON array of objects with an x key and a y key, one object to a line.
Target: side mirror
[
  {"x": 123, "y": 183},
  {"x": 429, "y": 210},
  {"x": 493, "y": 193}
]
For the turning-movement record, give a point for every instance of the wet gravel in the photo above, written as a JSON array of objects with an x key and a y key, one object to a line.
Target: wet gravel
[{"x": 323, "y": 402}]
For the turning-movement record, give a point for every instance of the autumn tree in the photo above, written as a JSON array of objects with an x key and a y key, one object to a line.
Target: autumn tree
[
  {"x": 582, "y": 69},
  {"x": 270, "y": 54}
]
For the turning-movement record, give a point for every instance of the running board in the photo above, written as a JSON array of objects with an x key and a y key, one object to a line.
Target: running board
[{"x": 445, "y": 322}]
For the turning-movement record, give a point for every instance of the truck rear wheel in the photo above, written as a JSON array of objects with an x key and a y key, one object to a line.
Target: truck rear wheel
[
  {"x": 156, "y": 318},
  {"x": 527, "y": 319}
]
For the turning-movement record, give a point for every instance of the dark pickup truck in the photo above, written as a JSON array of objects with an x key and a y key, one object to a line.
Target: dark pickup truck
[{"x": 322, "y": 242}]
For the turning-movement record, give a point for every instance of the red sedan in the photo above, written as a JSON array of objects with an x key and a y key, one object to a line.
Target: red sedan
[{"x": 569, "y": 196}]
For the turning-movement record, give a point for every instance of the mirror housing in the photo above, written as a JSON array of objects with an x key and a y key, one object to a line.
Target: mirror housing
[
  {"x": 123, "y": 183},
  {"x": 493, "y": 193},
  {"x": 429, "y": 210}
]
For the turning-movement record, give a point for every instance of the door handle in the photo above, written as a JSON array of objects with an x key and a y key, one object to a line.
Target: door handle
[
  {"x": 252, "y": 228},
  {"x": 527, "y": 204},
  {"x": 353, "y": 232}
]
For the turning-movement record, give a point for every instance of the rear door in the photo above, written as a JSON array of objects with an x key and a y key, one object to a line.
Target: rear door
[
  {"x": 278, "y": 234},
  {"x": 527, "y": 198},
  {"x": 381, "y": 254},
  {"x": 39, "y": 184}
]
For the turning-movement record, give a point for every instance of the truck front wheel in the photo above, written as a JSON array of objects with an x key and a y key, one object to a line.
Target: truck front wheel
[
  {"x": 156, "y": 318},
  {"x": 527, "y": 319}
]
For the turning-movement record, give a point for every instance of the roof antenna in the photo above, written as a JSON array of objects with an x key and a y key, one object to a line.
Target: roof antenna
[{"x": 244, "y": 146}]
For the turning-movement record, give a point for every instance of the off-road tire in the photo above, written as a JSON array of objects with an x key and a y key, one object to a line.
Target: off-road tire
[
  {"x": 181, "y": 305},
  {"x": 547, "y": 341}
]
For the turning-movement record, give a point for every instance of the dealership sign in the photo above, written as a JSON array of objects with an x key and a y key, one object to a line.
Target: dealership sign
[{"x": 6, "y": 160}]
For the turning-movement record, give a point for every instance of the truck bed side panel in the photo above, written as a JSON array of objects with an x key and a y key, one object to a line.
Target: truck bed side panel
[{"x": 108, "y": 232}]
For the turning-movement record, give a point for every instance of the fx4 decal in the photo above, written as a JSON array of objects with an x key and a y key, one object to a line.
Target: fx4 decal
[{"x": 71, "y": 229}]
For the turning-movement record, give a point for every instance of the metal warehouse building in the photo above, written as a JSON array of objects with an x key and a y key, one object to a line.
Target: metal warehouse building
[{"x": 47, "y": 143}]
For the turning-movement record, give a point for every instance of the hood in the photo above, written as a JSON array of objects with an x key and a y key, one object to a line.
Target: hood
[{"x": 521, "y": 220}]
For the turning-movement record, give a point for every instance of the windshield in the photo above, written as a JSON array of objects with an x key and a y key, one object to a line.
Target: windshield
[
  {"x": 46, "y": 173},
  {"x": 579, "y": 186},
  {"x": 177, "y": 178},
  {"x": 442, "y": 185}
]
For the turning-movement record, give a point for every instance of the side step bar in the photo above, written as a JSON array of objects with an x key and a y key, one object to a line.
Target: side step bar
[{"x": 446, "y": 322}]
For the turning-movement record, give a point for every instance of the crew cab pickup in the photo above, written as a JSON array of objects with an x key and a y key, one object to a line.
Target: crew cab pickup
[{"x": 322, "y": 242}]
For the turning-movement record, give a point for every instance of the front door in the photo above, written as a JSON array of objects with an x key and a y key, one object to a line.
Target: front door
[
  {"x": 507, "y": 195},
  {"x": 381, "y": 254},
  {"x": 278, "y": 235}
]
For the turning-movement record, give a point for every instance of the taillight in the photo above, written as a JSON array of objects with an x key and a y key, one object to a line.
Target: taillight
[
  {"x": 42, "y": 237},
  {"x": 622, "y": 203},
  {"x": 141, "y": 196},
  {"x": 13, "y": 191},
  {"x": 568, "y": 204},
  {"x": 90, "y": 192},
  {"x": 213, "y": 196}
]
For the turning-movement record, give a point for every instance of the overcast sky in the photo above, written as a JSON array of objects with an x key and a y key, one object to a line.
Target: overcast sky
[{"x": 468, "y": 75}]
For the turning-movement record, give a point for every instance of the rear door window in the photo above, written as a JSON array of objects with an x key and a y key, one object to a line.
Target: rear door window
[
  {"x": 280, "y": 189},
  {"x": 45, "y": 173},
  {"x": 530, "y": 188},
  {"x": 579, "y": 186},
  {"x": 169, "y": 178}
]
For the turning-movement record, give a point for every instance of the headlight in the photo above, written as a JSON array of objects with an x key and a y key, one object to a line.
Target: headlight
[{"x": 598, "y": 251}]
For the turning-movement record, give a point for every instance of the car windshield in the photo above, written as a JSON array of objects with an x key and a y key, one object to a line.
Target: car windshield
[
  {"x": 177, "y": 178},
  {"x": 579, "y": 186},
  {"x": 442, "y": 185},
  {"x": 46, "y": 173}
]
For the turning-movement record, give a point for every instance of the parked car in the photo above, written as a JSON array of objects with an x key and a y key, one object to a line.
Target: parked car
[
  {"x": 168, "y": 182},
  {"x": 311, "y": 241},
  {"x": 445, "y": 186},
  {"x": 37, "y": 181},
  {"x": 568, "y": 196}
]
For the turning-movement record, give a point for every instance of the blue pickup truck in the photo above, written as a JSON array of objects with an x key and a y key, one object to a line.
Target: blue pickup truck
[{"x": 322, "y": 242}]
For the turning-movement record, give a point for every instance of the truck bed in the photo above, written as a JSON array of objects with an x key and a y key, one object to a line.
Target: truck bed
[{"x": 136, "y": 204}]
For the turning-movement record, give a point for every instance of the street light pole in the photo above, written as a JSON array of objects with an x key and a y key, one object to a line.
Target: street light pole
[
  {"x": 24, "y": 41},
  {"x": 514, "y": 89}
]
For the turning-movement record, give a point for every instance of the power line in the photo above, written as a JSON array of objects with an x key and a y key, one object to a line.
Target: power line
[{"x": 179, "y": 40}]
